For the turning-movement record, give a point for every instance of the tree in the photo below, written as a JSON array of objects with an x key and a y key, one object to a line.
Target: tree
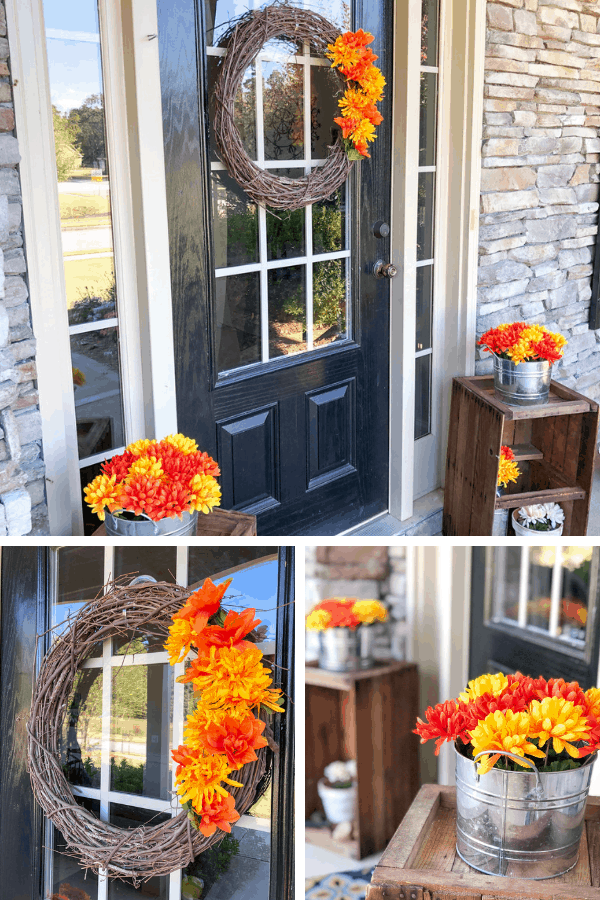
[
  {"x": 88, "y": 122},
  {"x": 68, "y": 156}
]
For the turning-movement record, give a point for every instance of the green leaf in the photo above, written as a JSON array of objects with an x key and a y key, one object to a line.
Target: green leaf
[{"x": 353, "y": 155}]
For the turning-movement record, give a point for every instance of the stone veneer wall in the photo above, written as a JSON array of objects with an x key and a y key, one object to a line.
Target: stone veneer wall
[
  {"x": 377, "y": 573},
  {"x": 23, "y": 508},
  {"x": 540, "y": 173}
]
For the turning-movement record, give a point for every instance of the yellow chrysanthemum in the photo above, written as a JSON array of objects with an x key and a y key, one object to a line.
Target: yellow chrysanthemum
[
  {"x": 201, "y": 779},
  {"x": 559, "y": 719},
  {"x": 353, "y": 103},
  {"x": 485, "y": 684},
  {"x": 102, "y": 492},
  {"x": 203, "y": 716},
  {"x": 593, "y": 701},
  {"x": 184, "y": 444},
  {"x": 508, "y": 470},
  {"x": 369, "y": 611},
  {"x": 179, "y": 641},
  {"x": 372, "y": 82},
  {"x": 364, "y": 131},
  {"x": 502, "y": 730},
  {"x": 235, "y": 675},
  {"x": 205, "y": 493},
  {"x": 138, "y": 448},
  {"x": 148, "y": 466},
  {"x": 318, "y": 620}
]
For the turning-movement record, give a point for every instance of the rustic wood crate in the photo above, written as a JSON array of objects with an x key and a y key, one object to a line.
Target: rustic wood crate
[
  {"x": 367, "y": 716},
  {"x": 216, "y": 523},
  {"x": 555, "y": 445},
  {"x": 421, "y": 862}
]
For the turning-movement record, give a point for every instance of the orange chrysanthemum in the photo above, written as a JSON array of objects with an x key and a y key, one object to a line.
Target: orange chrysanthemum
[
  {"x": 231, "y": 633},
  {"x": 521, "y": 342},
  {"x": 508, "y": 470},
  {"x": 203, "y": 604},
  {"x": 199, "y": 776},
  {"x": 219, "y": 813},
  {"x": 229, "y": 676},
  {"x": 237, "y": 740},
  {"x": 445, "y": 721}
]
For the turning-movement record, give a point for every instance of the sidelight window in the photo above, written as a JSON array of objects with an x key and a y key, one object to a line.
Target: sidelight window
[{"x": 281, "y": 278}]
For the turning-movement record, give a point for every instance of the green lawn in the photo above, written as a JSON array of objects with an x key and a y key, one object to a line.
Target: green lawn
[{"x": 87, "y": 277}]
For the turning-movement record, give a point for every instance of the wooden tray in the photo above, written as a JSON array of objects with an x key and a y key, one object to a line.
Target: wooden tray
[
  {"x": 421, "y": 862},
  {"x": 216, "y": 523}
]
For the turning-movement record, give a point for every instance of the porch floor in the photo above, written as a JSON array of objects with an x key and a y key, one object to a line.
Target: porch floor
[
  {"x": 248, "y": 874},
  {"x": 320, "y": 862}
]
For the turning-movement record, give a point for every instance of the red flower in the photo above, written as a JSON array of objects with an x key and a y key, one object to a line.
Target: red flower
[
  {"x": 237, "y": 740},
  {"x": 219, "y": 813},
  {"x": 203, "y": 604},
  {"x": 231, "y": 633},
  {"x": 476, "y": 710},
  {"x": 340, "y": 609},
  {"x": 184, "y": 756},
  {"x": 558, "y": 687},
  {"x": 347, "y": 124},
  {"x": 446, "y": 722}
]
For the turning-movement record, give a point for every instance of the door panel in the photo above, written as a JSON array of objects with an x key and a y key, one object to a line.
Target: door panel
[{"x": 280, "y": 327}]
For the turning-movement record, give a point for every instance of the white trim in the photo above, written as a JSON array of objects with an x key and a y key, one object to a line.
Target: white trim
[{"x": 41, "y": 225}]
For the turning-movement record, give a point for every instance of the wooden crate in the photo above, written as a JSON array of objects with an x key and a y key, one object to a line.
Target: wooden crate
[
  {"x": 421, "y": 862},
  {"x": 367, "y": 716},
  {"x": 555, "y": 445},
  {"x": 216, "y": 523}
]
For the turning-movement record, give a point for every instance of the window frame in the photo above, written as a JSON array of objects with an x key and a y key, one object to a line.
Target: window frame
[{"x": 140, "y": 235}]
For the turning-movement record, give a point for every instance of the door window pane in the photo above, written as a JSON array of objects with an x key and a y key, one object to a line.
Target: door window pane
[
  {"x": 429, "y": 32},
  {"x": 66, "y": 871},
  {"x": 244, "y": 108},
  {"x": 326, "y": 90},
  {"x": 424, "y": 306},
  {"x": 329, "y": 223},
  {"x": 505, "y": 584},
  {"x": 422, "y": 396},
  {"x": 330, "y": 297},
  {"x": 428, "y": 119},
  {"x": 81, "y": 739},
  {"x": 285, "y": 231},
  {"x": 237, "y": 302},
  {"x": 425, "y": 215},
  {"x": 97, "y": 386},
  {"x": 577, "y": 564},
  {"x": 158, "y": 887},
  {"x": 287, "y": 310},
  {"x": 159, "y": 562},
  {"x": 283, "y": 102},
  {"x": 235, "y": 221}
]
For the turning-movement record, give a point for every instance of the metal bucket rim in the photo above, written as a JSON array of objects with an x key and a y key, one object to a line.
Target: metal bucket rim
[
  {"x": 590, "y": 760},
  {"x": 544, "y": 363}
]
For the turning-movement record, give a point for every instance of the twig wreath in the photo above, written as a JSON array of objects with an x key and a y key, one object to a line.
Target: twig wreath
[
  {"x": 243, "y": 44},
  {"x": 149, "y": 850}
]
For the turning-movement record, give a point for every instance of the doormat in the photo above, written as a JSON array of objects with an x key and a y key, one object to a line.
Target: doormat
[{"x": 339, "y": 886}]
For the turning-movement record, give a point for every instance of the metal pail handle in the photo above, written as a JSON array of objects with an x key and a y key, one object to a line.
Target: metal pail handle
[{"x": 516, "y": 758}]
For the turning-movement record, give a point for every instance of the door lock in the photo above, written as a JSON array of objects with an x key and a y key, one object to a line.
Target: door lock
[{"x": 384, "y": 270}]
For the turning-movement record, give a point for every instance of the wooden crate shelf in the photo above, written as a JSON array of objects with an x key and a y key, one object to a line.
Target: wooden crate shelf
[
  {"x": 421, "y": 862},
  {"x": 555, "y": 445},
  {"x": 218, "y": 522},
  {"x": 367, "y": 716}
]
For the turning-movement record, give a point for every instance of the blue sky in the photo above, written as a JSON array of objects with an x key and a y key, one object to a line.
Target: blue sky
[
  {"x": 74, "y": 65},
  {"x": 255, "y": 587}
]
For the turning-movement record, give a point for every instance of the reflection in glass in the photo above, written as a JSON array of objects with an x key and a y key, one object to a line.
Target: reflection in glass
[
  {"x": 139, "y": 730},
  {"x": 576, "y": 563},
  {"x": 507, "y": 571},
  {"x": 159, "y": 562},
  {"x": 325, "y": 91},
  {"x": 424, "y": 306},
  {"x": 209, "y": 562},
  {"x": 235, "y": 223},
  {"x": 98, "y": 403},
  {"x": 244, "y": 108},
  {"x": 429, "y": 32},
  {"x": 80, "y": 579},
  {"x": 283, "y": 93},
  {"x": 255, "y": 585},
  {"x": 66, "y": 873},
  {"x": 130, "y": 817},
  {"x": 425, "y": 207},
  {"x": 287, "y": 310},
  {"x": 134, "y": 642},
  {"x": 81, "y": 737},
  {"x": 87, "y": 474},
  {"x": 237, "y": 320},
  {"x": 540, "y": 586},
  {"x": 428, "y": 119},
  {"x": 329, "y": 223},
  {"x": 422, "y": 396},
  {"x": 330, "y": 293},
  {"x": 285, "y": 227}
]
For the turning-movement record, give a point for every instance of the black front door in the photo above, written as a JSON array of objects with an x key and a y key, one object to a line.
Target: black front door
[
  {"x": 281, "y": 328},
  {"x": 535, "y": 610}
]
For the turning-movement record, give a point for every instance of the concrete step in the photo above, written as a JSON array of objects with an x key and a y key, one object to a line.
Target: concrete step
[{"x": 425, "y": 521}]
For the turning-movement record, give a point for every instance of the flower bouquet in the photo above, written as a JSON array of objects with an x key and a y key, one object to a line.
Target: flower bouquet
[
  {"x": 535, "y": 741},
  {"x": 345, "y": 638},
  {"x": 508, "y": 471},
  {"x": 223, "y": 734},
  {"x": 523, "y": 359},
  {"x": 547, "y": 517},
  {"x": 155, "y": 481},
  {"x": 365, "y": 82}
]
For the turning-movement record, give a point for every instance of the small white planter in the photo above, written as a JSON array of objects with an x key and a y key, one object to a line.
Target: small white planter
[
  {"x": 339, "y": 803},
  {"x": 531, "y": 532}
]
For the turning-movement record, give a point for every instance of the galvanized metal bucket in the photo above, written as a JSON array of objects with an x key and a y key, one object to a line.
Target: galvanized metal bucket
[
  {"x": 524, "y": 824},
  {"x": 164, "y": 527},
  {"x": 346, "y": 649},
  {"x": 525, "y": 384}
]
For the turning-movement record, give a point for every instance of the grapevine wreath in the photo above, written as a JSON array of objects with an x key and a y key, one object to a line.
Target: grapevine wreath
[
  {"x": 152, "y": 609},
  {"x": 244, "y": 42}
]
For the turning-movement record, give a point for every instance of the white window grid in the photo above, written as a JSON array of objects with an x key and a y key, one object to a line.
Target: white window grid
[
  {"x": 522, "y": 622},
  {"x": 263, "y": 265},
  {"x": 428, "y": 351},
  {"x": 108, "y": 662}
]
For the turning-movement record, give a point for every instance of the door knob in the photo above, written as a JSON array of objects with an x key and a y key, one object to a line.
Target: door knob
[{"x": 384, "y": 270}]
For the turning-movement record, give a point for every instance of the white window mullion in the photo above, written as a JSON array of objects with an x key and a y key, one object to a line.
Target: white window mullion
[
  {"x": 181, "y": 577},
  {"x": 262, "y": 219},
  {"x": 556, "y": 594},
  {"x": 105, "y": 752},
  {"x": 308, "y": 209},
  {"x": 523, "y": 587}
]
